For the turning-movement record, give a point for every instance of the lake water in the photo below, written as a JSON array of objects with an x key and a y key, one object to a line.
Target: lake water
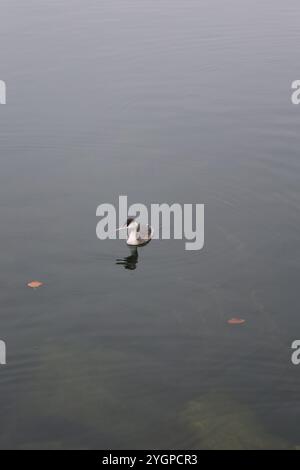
[{"x": 169, "y": 101}]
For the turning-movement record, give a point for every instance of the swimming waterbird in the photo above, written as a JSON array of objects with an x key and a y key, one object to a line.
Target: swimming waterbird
[{"x": 137, "y": 234}]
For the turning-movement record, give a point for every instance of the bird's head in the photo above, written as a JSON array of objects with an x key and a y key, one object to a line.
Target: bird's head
[{"x": 129, "y": 222}]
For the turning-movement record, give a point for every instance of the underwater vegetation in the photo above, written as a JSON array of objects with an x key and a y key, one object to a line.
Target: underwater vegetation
[
  {"x": 85, "y": 395},
  {"x": 217, "y": 422}
]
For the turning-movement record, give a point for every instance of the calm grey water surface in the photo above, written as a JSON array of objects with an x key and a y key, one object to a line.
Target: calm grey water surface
[{"x": 169, "y": 101}]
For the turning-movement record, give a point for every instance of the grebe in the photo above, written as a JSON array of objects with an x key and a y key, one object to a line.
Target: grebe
[{"x": 138, "y": 235}]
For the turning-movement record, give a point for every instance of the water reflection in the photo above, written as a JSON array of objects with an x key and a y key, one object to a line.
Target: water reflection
[{"x": 129, "y": 262}]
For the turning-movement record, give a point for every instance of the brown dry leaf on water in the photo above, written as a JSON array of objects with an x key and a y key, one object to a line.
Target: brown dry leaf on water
[
  {"x": 236, "y": 321},
  {"x": 35, "y": 284}
]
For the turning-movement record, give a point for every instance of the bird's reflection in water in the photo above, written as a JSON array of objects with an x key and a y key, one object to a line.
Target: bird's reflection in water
[{"x": 130, "y": 261}]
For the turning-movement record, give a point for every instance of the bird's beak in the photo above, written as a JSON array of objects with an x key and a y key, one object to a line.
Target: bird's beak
[{"x": 121, "y": 228}]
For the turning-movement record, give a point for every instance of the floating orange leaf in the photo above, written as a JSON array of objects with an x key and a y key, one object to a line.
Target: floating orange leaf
[
  {"x": 34, "y": 284},
  {"x": 236, "y": 321}
]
